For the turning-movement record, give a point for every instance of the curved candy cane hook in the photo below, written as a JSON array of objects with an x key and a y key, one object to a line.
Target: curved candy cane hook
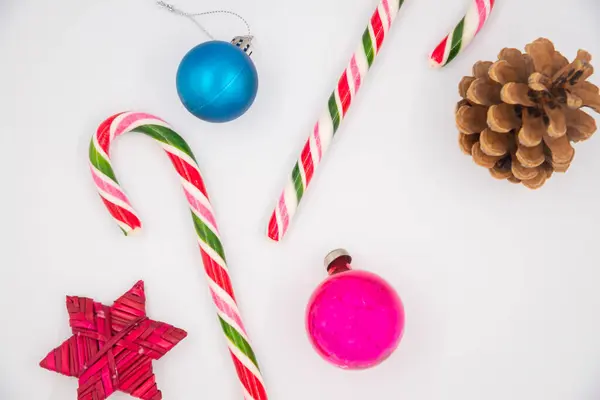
[
  {"x": 211, "y": 249},
  {"x": 463, "y": 33}
]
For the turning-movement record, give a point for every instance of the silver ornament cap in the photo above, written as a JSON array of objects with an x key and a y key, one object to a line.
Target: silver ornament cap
[
  {"x": 244, "y": 43},
  {"x": 335, "y": 254}
]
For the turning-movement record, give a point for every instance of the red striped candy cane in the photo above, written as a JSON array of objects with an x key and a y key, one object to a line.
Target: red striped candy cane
[
  {"x": 463, "y": 33},
  {"x": 337, "y": 106},
  {"x": 211, "y": 249}
]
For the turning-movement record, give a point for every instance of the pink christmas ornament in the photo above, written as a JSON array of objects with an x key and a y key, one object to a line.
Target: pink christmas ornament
[{"x": 354, "y": 319}]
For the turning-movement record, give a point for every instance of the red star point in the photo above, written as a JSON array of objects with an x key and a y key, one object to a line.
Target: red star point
[{"x": 112, "y": 348}]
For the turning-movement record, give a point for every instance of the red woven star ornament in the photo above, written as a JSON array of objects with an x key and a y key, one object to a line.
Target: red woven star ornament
[{"x": 112, "y": 348}]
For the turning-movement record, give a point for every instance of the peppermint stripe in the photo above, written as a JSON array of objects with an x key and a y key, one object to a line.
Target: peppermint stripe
[
  {"x": 208, "y": 236},
  {"x": 252, "y": 384},
  {"x": 368, "y": 46},
  {"x": 215, "y": 273},
  {"x": 377, "y": 27},
  {"x": 329, "y": 122},
  {"x": 239, "y": 341},
  {"x": 101, "y": 163},
  {"x": 456, "y": 40},
  {"x": 298, "y": 185},
  {"x": 344, "y": 93},
  {"x": 463, "y": 33},
  {"x": 211, "y": 248},
  {"x": 166, "y": 136},
  {"x": 334, "y": 113},
  {"x": 307, "y": 161}
]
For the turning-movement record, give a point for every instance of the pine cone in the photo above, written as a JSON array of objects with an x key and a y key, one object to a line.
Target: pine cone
[{"x": 519, "y": 115}]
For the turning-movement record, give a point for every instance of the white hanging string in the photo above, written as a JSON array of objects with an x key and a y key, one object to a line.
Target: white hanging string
[{"x": 192, "y": 16}]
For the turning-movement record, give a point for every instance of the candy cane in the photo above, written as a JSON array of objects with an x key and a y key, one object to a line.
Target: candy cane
[
  {"x": 211, "y": 249},
  {"x": 463, "y": 34},
  {"x": 337, "y": 106}
]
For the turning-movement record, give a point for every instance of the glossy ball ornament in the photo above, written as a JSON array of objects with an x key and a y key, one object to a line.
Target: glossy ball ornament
[
  {"x": 217, "y": 81},
  {"x": 354, "y": 319}
]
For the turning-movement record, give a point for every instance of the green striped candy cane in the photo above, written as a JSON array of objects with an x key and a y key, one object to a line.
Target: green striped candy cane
[
  {"x": 209, "y": 241},
  {"x": 337, "y": 106}
]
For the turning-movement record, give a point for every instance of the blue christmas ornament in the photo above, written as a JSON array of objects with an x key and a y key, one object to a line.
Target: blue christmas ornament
[{"x": 217, "y": 81}]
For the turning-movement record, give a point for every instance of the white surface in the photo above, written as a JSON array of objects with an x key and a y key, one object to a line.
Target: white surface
[{"x": 500, "y": 283}]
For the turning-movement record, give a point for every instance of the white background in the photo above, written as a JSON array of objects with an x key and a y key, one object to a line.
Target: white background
[{"x": 500, "y": 283}]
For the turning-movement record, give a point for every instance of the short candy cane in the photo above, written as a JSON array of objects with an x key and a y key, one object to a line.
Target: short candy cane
[
  {"x": 463, "y": 34},
  {"x": 211, "y": 249},
  {"x": 337, "y": 106}
]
